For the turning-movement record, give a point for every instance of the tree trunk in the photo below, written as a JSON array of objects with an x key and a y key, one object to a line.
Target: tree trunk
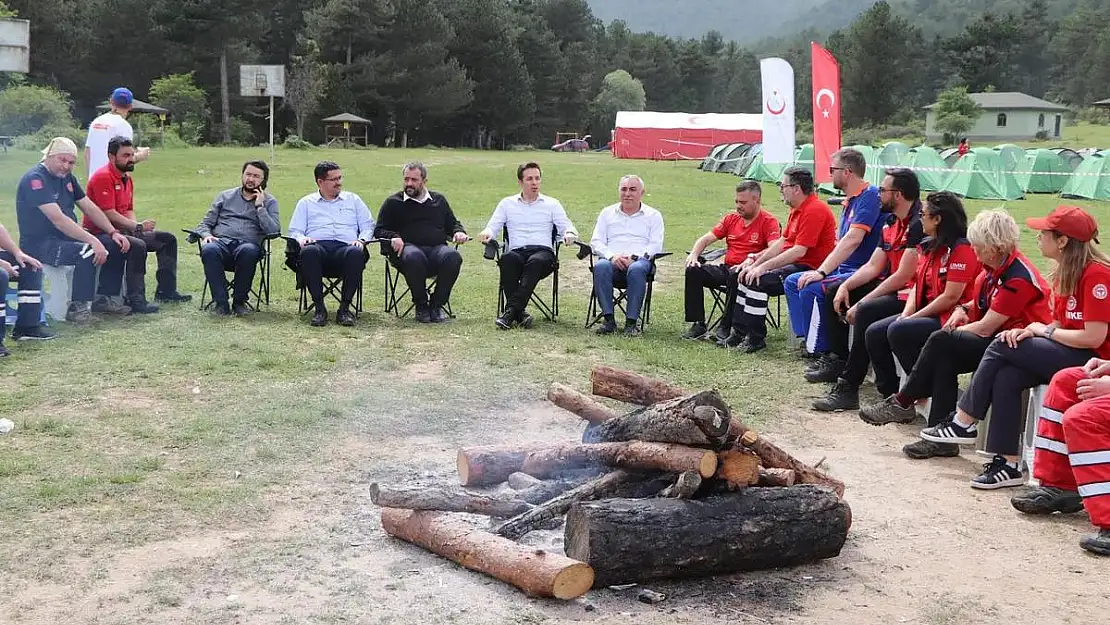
[
  {"x": 700, "y": 420},
  {"x": 225, "y": 97},
  {"x": 684, "y": 486},
  {"x": 738, "y": 467},
  {"x": 756, "y": 528},
  {"x": 776, "y": 477},
  {"x": 479, "y": 466},
  {"x": 447, "y": 499},
  {"x": 547, "y": 490},
  {"x": 522, "y": 481},
  {"x": 631, "y": 387},
  {"x": 580, "y": 404},
  {"x": 536, "y": 572},
  {"x": 775, "y": 458}
]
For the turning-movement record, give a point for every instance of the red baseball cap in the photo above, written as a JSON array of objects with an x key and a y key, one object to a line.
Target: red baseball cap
[{"x": 1070, "y": 221}]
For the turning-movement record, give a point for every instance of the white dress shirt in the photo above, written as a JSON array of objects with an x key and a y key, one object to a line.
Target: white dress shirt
[
  {"x": 346, "y": 218},
  {"x": 530, "y": 223},
  {"x": 619, "y": 234}
]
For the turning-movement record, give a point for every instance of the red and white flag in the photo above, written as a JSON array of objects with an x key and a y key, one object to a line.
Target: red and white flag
[
  {"x": 826, "y": 110},
  {"x": 778, "y": 110}
]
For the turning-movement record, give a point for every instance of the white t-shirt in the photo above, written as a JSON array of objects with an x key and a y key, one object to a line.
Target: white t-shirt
[{"x": 102, "y": 130}]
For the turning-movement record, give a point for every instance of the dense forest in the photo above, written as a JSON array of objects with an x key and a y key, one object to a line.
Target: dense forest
[{"x": 492, "y": 73}]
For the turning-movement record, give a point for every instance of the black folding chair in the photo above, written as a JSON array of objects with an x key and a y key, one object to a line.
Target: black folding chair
[
  {"x": 260, "y": 292},
  {"x": 394, "y": 279},
  {"x": 495, "y": 251},
  {"x": 333, "y": 282},
  {"x": 620, "y": 285},
  {"x": 719, "y": 294}
]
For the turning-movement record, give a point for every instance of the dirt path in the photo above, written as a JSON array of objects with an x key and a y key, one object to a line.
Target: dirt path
[{"x": 924, "y": 548}]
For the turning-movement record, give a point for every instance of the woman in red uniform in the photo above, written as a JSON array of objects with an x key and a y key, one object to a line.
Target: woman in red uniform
[
  {"x": 1009, "y": 293},
  {"x": 1022, "y": 358}
]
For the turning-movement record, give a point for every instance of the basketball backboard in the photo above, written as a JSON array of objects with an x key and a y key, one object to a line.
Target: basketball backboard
[
  {"x": 15, "y": 45},
  {"x": 262, "y": 81}
]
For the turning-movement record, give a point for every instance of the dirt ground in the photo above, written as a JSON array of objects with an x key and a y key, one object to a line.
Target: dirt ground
[{"x": 923, "y": 548}]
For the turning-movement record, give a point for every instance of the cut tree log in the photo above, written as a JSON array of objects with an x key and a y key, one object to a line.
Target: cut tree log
[
  {"x": 547, "y": 490},
  {"x": 634, "y": 540},
  {"x": 445, "y": 498},
  {"x": 580, "y": 404},
  {"x": 618, "y": 483},
  {"x": 699, "y": 420},
  {"x": 738, "y": 467},
  {"x": 536, "y": 572},
  {"x": 631, "y": 387},
  {"x": 522, "y": 481},
  {"x": 776, "y": 477},
  {"x": 684, "y": 486},
  {"x": 775, "y": 458},
  {"x": 492, "y": 464}
]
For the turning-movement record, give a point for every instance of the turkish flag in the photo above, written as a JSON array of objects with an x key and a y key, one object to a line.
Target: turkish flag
[{"x": 826, "y": 110}]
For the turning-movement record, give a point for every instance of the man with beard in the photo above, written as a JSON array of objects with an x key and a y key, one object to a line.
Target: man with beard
[
  {"x": 48, "y": 230},
  {"x": 113, "y": 190},
  {"x": 332, "y": 227},
  {"x": 418, "y": 224},
  {"x": 231, "y": 237}
]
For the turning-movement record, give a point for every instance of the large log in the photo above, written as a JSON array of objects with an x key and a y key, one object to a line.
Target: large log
[
  {"x": 739, "y": 468},
  {"x": 549, "y": 489},
  {"x": 699, "y": 420},
  {"x": 536, "y": 572},
  {"x": 580, "y": 404},
  {"x": 775, "y": 458},
  {"x": 631, "y": 387},
  {"x": 447, "y": 499},
  {"x": 776, "y": 477},
  {"x": 480, "y": 466},
  {"x": 635, "y": 540}
]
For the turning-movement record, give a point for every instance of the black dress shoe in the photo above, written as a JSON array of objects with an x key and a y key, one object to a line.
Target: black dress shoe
[
  {"x": 142, "y": 307},
  {"x": 526, "y": 320},
  {"x": 423, "y": 314},
  {"x": 506, "y": 321},
  {"x": 439, "y": 315},
  {"x": 241, "y": 309},
  {"x": 345, "y": 317},
  {"x": 172, "y": 298},
  {"x": 320, "y": 317}
]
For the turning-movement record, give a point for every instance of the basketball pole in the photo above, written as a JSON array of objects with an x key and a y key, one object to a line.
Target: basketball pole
[{"x": 271, "y": 130}]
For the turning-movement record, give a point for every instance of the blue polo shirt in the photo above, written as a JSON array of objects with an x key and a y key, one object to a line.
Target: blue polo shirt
[
  {"x": 864, "y": 212},
  {"x": 36, "y": 188}
]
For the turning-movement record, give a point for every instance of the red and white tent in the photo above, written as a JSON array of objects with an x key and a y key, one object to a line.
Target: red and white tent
[{"x": 671, "y": 136}]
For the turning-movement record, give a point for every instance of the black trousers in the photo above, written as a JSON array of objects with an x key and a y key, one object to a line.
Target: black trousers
[
  {"x": 859, "y": 358},
  {"x": 1003, "y": 373},
  {"x": 836, "y": 329},
  {"x": 892, "y": 338},
  {"x": 521, "y": 270},
  {"x": 334, "y": 259},
  {"x": 418, "y": 262},
  {"x": 936, "y": 373},
  {"x": 697, "y": 279},
  {"x": 164, "y": 246},
  {"x": 751, "y": 318},
  {"x": 230, "y": 255}
]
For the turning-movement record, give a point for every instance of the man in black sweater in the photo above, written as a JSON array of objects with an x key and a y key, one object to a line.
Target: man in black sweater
[{"x": 418, "y": 224}]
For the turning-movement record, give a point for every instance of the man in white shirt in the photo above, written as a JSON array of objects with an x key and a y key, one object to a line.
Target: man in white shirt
[
  {"x": 627, "y": 236},
  {"x": 109, "y": 126},
  {"x": 530, "y": 218}
]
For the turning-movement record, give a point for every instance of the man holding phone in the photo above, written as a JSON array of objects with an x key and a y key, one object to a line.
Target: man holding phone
[{"x": 231, "y": 236}]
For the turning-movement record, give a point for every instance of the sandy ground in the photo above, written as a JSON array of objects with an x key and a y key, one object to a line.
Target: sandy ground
[{"x": 923, "y": 548}]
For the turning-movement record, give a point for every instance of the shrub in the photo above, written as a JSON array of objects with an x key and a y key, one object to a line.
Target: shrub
[
  {"x": 38, "y": 140},
  {"x": 27, "y": 109},
  {"x": 295, "y": 142},
  {"x": 241, "y": 132},
  {"x": 1042, "y": 135},
  {"x": 187, "y": 103}
]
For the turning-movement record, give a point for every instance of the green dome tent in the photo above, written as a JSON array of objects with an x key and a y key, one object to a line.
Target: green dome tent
[
  {"x": 950, "y": 155},
  {"x": 893, "y": 154},
  {"x": 729, "y": 156},
  {"x": 1070, "y": 156},
  {"x": 927, "y": 164},
  {"x": 803, "y": 157},
  {"x": 1091, "y": 179},
  {"x": 709, "y": 163},
  {"x": 876, "y": 171},
  {"x": 1042, "y": 171},
  {"x": 741, "y": 165},
  {"x": 979, "y": 175},
  {"x": 1012, "y": 155},
  {"x": 765, "y": 172}
]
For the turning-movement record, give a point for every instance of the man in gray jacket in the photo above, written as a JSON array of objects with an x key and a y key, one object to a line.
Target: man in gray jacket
[{"x": 231, "y": 237}]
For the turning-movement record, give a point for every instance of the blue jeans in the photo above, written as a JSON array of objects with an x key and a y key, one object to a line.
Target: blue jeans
[
  {"x": 806, "y": 318},
  {"x": 634, "y": 278}
]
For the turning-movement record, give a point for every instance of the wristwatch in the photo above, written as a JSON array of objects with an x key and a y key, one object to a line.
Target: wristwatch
[
  {"x": 823, "y": 274},
  {"x": 139, "y": 227},
  {"x": 1048, "y": 332}
]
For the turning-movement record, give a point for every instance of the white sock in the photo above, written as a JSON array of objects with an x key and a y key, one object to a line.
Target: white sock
[{"x": 960, "y": 422}]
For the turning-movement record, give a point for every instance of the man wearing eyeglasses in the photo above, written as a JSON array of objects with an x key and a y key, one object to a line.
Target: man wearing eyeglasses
[{"x": 860, "y": 232}]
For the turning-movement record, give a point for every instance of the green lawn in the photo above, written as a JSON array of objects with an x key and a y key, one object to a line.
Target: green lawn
[{"x": 135, "y": 428}]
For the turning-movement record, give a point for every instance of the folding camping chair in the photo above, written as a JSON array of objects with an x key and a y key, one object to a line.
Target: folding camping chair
[
  {"x": 719, "y": 293},
  {"x": 394, "y": 278},
  {"x": 333, "y": 284},
  {"x": 495, "y": 251},
  {"x": 593, "y": 316},
  {"x": 260, "y": 293}
]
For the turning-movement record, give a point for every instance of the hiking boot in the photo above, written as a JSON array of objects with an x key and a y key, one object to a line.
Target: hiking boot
[
  {"x": 632, "y": 328},
  {"x": 827, "y": 369},
  {"x": 141, "y": 306},
  {"x": 696, "y": 331},
  {"x": 1046, "y": 500},
  {"x": 319, "y": 316},
  {"x": 4, "y": 353},
  {"x": 721, "y": 333},
  {"x": 439, "y": 315},
  {"x": 1097, "y": 543},
  {"x": 172, "y": 297},
  {"x": 887, "y": 411},
  {"x": 344, "y": 316},
  {"x": 78, "y": 312},
  {"x": 951, "y": 432},
  {"x": 734, "y": 339},
  {"x": 609, "y": 326},
  {"x": 923, "y": 450},
  {"x": 751, "y": 345},
  {"x": 242, "y": 309},
  {"x": 423, "y": 314},
  {"x": 220, "y": 309},
  {"x": 506, "y": 321},
  {"x": 802, "y": 352},
  {"x": 110, "y": 305},
  {"x": 998, "y": 473},
  {"x": 842, "y": 396}
]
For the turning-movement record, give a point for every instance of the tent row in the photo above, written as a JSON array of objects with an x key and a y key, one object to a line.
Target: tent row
[{"x": 1005, "y": 172}]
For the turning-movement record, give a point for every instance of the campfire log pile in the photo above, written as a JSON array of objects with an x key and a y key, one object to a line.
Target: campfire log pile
[{"x": 677, "y": 487}]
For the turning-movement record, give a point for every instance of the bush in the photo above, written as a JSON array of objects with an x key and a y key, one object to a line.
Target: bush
[
  {"x": 859, "y": 136},
  {"x": 295, "y": 142},
  {"x": 1042, "y": 135},
  {"x": 241, "y": 132},
  {"x": 1094, "y": 115},
  {"x": 27, "y": 109},
  {"x": 187, "y": 103},
  {"x": 38, "y": 140}
]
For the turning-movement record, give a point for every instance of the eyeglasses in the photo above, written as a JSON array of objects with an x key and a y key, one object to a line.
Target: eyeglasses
[
  {"x": 783, "y": 186},
  {"x": 882, "y": 190},
  {"x": 336, "y": 179},
  {"x": 835, "y": 169}
]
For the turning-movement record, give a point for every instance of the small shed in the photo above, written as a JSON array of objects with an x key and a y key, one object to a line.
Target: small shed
[
  {"x": 337, "y": 129},
  {"x": 1103, "y": 103},
  {"x": 138, "y": 106}
]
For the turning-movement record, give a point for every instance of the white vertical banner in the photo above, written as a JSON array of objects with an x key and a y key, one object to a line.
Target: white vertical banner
[{"x": 778, "y": 110}]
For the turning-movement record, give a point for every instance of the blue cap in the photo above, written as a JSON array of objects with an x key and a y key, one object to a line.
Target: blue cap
[{"x": 122, "y": 96}]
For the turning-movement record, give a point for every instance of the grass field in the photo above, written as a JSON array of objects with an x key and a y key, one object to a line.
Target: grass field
[{"x": 142, "y": 429}]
